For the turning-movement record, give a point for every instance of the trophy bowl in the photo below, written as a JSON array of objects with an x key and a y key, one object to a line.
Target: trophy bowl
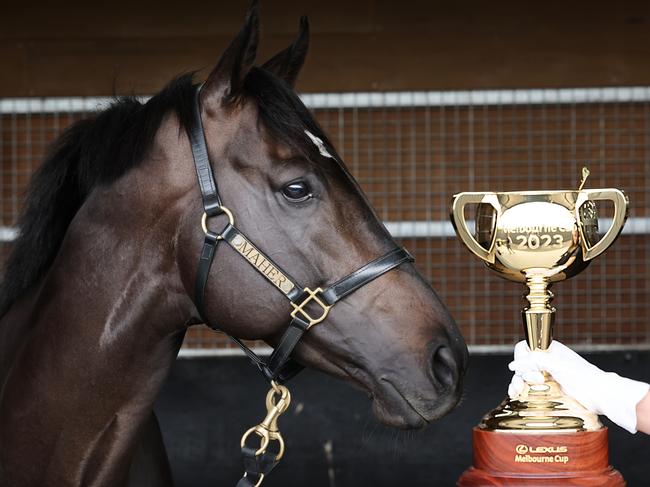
[
  {"x": 538, "y": 237},
  {"x": 554, "y": 233}
]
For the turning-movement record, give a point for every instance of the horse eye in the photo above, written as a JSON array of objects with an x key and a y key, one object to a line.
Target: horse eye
[{"x": 297, "y": 191}]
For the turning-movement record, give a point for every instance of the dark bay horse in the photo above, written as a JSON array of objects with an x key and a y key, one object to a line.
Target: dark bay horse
[{"x": 98, "y": 291}]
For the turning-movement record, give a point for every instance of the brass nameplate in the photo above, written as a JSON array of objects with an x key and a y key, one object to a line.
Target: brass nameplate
[{"x": 261, "y": 263}]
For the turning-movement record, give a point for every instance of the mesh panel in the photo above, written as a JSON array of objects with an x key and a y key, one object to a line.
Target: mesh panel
[{"x": 412, "y": 151}]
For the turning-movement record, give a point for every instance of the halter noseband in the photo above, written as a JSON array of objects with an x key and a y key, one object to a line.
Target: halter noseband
[{"x": 280, "y": 366}]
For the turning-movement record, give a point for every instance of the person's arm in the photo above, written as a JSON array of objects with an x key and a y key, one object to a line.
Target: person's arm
[
  {"x": 624, "y": 401},
  {"x": 643, "y": 415}
]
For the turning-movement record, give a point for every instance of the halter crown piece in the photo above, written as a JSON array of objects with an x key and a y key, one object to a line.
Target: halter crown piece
[{"x": 280, "y": 367}]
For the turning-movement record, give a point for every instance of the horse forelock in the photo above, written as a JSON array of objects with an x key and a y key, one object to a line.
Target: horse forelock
[
  {"x": 283, "y": 114},
  {"x": 94, "y": 151}
]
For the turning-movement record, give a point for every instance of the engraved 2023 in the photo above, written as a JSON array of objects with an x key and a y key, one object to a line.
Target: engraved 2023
[{"x": 535, "y": 236}]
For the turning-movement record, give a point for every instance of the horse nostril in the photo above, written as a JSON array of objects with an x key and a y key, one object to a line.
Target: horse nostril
[{"x": 444, "y": 367}]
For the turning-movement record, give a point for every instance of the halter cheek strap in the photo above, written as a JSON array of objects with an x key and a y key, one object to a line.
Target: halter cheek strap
[
  {"x": 309, "y": 306},
  {"x": 209, "y": 192}
]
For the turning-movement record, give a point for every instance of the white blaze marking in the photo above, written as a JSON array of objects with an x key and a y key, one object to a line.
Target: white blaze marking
[{"x": 319, "y": 143}]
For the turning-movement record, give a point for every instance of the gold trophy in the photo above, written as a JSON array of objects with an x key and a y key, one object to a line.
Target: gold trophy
[{"x": 539, "y": 238}]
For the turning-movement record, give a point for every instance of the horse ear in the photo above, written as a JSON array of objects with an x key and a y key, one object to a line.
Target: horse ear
[
  {"x": 287, "y": 63},
  {"x": 227, "y": 79}
]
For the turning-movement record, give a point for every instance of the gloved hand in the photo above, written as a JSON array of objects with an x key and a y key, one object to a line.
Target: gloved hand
[{"x": 600, "y": 392}]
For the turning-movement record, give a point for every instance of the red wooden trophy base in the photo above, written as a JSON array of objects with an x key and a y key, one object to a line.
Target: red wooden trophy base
[{"x": 531, "y": 459}]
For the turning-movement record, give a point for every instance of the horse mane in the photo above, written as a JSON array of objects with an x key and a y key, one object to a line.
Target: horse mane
[
  {"x": 98, "y": 150},
  {"x": 91, "y": 152}
]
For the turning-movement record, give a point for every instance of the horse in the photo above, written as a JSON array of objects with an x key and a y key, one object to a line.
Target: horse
[{"x": 98, "y": 290}]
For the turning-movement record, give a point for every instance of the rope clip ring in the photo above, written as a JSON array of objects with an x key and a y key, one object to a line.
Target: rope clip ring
[{"x": 268, "y": 430}]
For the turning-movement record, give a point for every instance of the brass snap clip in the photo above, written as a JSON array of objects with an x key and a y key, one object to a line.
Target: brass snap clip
[{"x": 277, "y": 402}]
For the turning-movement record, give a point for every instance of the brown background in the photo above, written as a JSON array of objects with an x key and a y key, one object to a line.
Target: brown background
[{"x": 90, "y": 48}]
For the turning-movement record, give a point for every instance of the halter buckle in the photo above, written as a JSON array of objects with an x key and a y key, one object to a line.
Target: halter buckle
[{"x": 299, "y": 308}]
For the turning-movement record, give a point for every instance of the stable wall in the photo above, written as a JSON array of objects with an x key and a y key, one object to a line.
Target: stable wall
[{"x": 123, "y": 47}]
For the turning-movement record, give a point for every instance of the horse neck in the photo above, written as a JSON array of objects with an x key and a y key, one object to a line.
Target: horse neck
[{"x": 105, "y": 328}]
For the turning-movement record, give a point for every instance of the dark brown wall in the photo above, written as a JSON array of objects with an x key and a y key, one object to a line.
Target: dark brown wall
[{"x": 84, "y": 48}]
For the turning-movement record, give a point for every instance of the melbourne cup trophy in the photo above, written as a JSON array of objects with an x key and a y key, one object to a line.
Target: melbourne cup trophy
[{"x": 537, "y": 238}]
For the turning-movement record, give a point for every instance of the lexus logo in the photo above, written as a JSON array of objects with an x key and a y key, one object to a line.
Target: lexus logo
[{"x": 521, "y": 449}]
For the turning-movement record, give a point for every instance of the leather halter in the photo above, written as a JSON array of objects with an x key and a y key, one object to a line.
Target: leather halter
[{"x": 280, "y": 367}]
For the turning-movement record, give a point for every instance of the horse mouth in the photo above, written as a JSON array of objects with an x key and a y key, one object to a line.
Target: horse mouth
[
  {"x": 410, "y": 404},
  {"x": 392, "y": 405},
  {"x": 393, "y": 409}
]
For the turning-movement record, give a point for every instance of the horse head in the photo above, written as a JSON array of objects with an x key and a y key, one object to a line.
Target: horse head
[{"x": 290, "y": 193}]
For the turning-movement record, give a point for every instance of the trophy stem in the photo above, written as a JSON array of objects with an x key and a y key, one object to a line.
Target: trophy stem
[{"x": 539, "y": 316}]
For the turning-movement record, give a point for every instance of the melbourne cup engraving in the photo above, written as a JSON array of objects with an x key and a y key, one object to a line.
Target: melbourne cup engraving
[{"x": 538, "y": 238}]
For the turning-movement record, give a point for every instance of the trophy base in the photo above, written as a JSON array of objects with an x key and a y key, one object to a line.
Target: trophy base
[{"x": 528, "y": 459}]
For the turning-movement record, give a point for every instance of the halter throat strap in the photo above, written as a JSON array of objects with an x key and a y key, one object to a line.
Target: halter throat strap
[{"x": 280, "y": 367}]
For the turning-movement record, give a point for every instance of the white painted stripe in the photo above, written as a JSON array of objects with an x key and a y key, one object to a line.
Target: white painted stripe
[
  {"x": 375, "y": 99},
  {"x": 8, "y": 234},
  {"x": 55, "y": 105},
  {"x": 418, "y": 229},
  {"x": 444, "y": 229},
  {"x": 221, "y": 352},
  {"x": 431, "y": 229},
  {"x": 477, "y": 97},
  {"x": 581, "y": 348},
  {"x": 189, "y": 353},
  {"x": 633, "y": 226}
]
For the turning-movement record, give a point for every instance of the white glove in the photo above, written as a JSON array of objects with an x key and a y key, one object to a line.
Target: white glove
[{"x": 600, "y": 392}]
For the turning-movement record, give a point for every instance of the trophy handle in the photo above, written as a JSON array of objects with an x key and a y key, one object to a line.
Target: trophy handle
[
  {"x": 620, "y": 215},
  {"x": 460, "y": 225}
]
